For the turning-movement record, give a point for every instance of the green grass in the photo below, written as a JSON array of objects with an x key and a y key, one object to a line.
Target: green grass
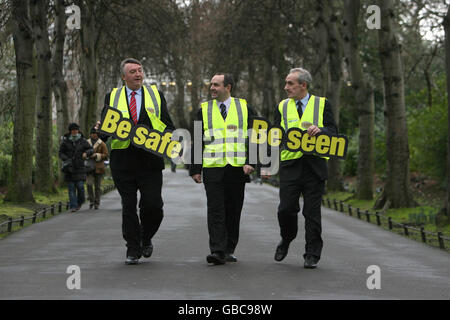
[{"x": 16, "y": 210}]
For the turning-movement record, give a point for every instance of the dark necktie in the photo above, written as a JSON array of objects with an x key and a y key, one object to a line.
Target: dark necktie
[
  {"x": 299, "y": 108},
  {"x": 223, "y": 111},
  {"x": 133, "y": 108}
]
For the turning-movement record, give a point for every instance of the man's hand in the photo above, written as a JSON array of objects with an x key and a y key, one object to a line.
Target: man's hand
[
  {"x": 197, "y": 178},
  {"x": 265, "y": 174},
  {"x": 313, "y": 130},
  {"x": 248, "y": 169},
  {"x": 97, "y": 125}
]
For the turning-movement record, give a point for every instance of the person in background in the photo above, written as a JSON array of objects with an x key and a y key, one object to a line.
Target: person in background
[
  {"x": 74, "y": 149},
  {"x": 94, "y": 177}
]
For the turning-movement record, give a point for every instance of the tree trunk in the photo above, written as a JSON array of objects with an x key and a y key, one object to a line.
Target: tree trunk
[
  {"x": 251, "y": 84},
  {"x": 366, "y": 162},
  {"x": 364, "y": 103},
  {"x": 20, "y": 187},
  {"x": 179, "y": 102},
  {"x": 320, "y": 70},
  {"x": 444, "y": 215},
  {"x": 44, "y": 181},
  {"x": 397, "y": 192},
  {"x": 195, "y": 53},
  {"x": 58, "y": 83},
  {"x": 334, "y": 93},
  {"x": 88, "y": 36},
  {"x": 268, "y": 92},
  {"x": 194, "y": 90}
]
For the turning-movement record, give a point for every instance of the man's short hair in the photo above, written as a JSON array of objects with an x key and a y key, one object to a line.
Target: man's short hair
[
  {"x": 227, "y": 79},
  {"x": 303, "y": 75},
  {"x": 128, "y": 60}
]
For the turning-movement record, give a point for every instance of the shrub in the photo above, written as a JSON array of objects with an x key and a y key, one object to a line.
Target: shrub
[
  {"x": 427, "y": 131},
  {"x": 5, "y": 169}
]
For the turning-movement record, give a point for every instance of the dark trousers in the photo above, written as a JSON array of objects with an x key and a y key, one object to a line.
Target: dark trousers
[
  {"x": 138, "y": 231},
  {"x": 93, "y": 183},
  {"x": 311, "y": 187},
  {"x": 76, "y": 193},
  {"x": 224, "y": 202}
]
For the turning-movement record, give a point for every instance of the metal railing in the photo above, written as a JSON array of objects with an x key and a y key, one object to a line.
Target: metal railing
[
  {"x": 407, "y": 230},
  {"x": 8, "y": 225}
]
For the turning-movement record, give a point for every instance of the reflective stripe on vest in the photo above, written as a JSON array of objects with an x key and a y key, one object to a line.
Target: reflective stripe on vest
[
  {"x": 152, "y": 100},
  {"x": 290, "y": 119},
  {"x": 225, "y": 140}
]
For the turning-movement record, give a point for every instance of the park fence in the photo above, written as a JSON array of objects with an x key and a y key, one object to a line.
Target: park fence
[
  {"x": 436, "y": 239},
  {"x": 40, "y": 215}
]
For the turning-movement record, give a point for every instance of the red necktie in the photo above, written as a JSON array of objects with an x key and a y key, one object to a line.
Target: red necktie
[{"x": 133, "y": 107}]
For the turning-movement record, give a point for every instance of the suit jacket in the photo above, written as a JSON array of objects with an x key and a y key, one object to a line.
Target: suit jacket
[
  {"x": 134, "y": 158},
  {"x": 291, "y": 169},
  {"x": 227, "y": 173}
]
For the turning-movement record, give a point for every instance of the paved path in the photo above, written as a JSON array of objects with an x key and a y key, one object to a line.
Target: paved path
[{"x": 33, "y": 261}]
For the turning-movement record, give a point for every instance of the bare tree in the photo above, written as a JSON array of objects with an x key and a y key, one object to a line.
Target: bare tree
[
  {"x": 320, "y": 40},
  {"x": 44, "y": 180},
  {"x": 444, "y": 214},
  {"x": 58, "y": 83},
  {"x": 364, "y": 100},
  {"x": 20, "y": 187},
  {"x": 335, "y": 56},
  {"x": 90, "y": 31},
  {"x": 397, "y": 192}
]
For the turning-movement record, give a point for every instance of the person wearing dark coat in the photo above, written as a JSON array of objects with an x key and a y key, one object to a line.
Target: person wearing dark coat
[
  {"x": 224, "y": 176},
  {"x": 73, "y": 150},
  {"x": 302, "y": 174},
  {"x": 134, "y": 169}
]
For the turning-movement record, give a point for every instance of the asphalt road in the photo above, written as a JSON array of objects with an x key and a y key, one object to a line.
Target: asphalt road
[{"x": 34, "y": 261}]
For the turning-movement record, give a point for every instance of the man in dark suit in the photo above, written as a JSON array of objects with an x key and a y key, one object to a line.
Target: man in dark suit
[
  {"x": 135, "y": 169},
  {"x": 301, "y": 173},
  {"x": 225, "y": 123}
]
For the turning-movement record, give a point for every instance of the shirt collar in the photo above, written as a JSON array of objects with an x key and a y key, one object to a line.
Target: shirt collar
[
  {"x": 138, "y": 92},
  {"x": 226, "y": 102},
  {"x": 304, "y": 101}
]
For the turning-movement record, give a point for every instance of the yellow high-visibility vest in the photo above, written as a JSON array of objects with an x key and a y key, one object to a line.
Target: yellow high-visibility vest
[
  {"x": 290, "y": 119},
  {"x": 118, "y": 99},
  {"x": 224, "y": 139}
]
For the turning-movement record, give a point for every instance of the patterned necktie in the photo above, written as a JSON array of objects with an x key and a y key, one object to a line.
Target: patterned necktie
[
  {"x": 299, "y": 108},
  {"x": 133, "y": 107},
  {"x": 223, "y": 111}
]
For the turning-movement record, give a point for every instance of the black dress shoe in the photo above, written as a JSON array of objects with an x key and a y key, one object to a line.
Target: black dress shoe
[
  {"x": 147, "y": 250},
  {"x": 282, "y": 250},
  {"x": 216, "y": 258},
  {"x": 230, "y": 257},
  {"x": 310, "y": 262},
  {"x": 131, "y": 260}
]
